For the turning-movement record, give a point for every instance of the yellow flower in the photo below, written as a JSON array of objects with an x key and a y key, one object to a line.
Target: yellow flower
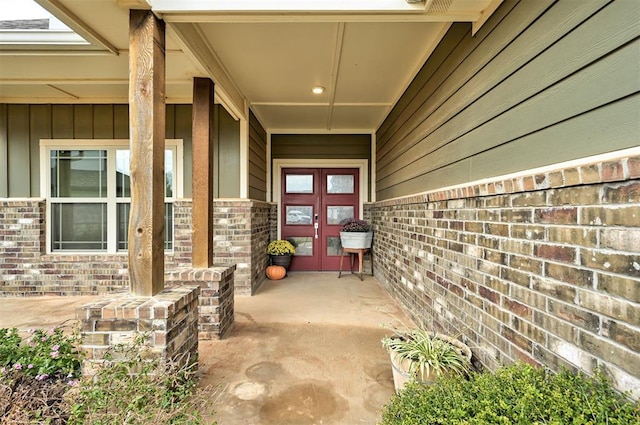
[{"x": 281, "y": 247}]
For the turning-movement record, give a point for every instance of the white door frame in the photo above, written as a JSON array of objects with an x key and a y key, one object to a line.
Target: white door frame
[{"x": 279, "y": 164}]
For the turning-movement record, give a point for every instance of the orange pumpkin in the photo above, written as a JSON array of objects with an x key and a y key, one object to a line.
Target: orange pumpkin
[{"x": 276, "y": 272}]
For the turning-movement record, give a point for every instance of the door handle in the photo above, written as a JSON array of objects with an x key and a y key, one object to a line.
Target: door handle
[{"x": 315, "y": 228}]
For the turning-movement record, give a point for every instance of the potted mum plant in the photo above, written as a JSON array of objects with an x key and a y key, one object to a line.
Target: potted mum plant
[
  {"x": 356, "y": 234},
  {"x": 424, "y": 356},
  {"x": 281, "y": 252}
]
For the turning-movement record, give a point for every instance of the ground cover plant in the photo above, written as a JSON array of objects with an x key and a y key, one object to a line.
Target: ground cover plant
[
  {"x": 41, "y": 383},
  {"x": 35, "y": 374},
  {"x": 517, "y": 394}
]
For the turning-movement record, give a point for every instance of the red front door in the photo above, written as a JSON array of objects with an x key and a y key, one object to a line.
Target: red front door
[{"x": 314, "y": 203}]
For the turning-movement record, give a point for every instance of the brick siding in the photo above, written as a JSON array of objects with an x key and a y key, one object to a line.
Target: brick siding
[
  {"x": 543, "y": 268},
  {"x": 169, "y": 321},
  {"x": 215, "y": 303},
  {"x": 241, "y": 235},
  {"x": 242, "y": 231}
]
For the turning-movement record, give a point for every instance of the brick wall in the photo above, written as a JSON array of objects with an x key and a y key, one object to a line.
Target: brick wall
[
  {"x": 215, "y": 303},
  {"x": 241, "y": 235},
  {"x": 543, "y": 268},
  {"x": 21, "y": 243},
  {"x": 273, "y": 223},
  {"x": 169, "y": 321},
  {"x": 261, "y": 225}
]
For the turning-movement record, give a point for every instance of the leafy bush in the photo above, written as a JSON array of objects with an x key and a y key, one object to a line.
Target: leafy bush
[
  {"x": 517, "y": 394},
  {"x": 42, "y": 355},
  {"x": 35, "y": 374}
]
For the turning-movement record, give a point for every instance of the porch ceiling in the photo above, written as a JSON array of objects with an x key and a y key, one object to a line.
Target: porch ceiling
[{"x": 267, "y": 57}]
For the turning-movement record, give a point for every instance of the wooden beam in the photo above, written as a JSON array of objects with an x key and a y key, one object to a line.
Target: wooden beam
[
  {"x": 147, "y": 130},
  {"x": 203, "y": 134}
]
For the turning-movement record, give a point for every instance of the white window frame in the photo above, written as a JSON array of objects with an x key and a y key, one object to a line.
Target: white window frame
[{"x": 110, "y": 145}]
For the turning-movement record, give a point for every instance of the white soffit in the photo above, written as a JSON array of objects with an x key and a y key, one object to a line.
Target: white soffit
[
  {"x": 263, "y": 54},
  {"x": 271, "y": 53}
]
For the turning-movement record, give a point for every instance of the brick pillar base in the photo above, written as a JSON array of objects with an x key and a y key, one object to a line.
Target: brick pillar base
[
  {"x": 170, "y": 318},
  {"x": 216, "y": 297}
]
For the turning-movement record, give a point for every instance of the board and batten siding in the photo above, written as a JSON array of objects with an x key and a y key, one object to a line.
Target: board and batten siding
[
  {"x": 257, "y": 159},
  {"x": 226, "y": 155},
  {"x": 541, "y": 83},
  {"x": 23, "y": 126}
]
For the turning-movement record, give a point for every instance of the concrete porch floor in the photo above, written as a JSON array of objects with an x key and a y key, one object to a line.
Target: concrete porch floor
[{"x": 304, "y": 350}]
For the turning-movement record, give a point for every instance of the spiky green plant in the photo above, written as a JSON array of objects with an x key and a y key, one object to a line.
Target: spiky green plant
[{"x": 428, "y": 354}]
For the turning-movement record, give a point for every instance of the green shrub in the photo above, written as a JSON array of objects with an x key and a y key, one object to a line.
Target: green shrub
[
  {"x": 35, "y": 374},
  {"x": 517, "y": 394},
  {"x": 44, "y": 354}
]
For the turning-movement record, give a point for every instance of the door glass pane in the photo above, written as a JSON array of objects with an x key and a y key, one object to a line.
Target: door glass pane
[
  {"x": 336, "y": 214},
  {"x": 333, "y": 245},
  {"x": 341, "y": 183},
  {"x": 78, "y": 174},
  {"x": 303, "y": 244},
  {"x": 299, "y": 183},
  {"x": 79, "y": 227},
  {"x": 298, "y": 214}
]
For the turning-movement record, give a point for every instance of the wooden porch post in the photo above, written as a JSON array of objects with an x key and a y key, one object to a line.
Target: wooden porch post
[
  {"x": 147, "y": 133},
  {"x": 203, "y": 142}
]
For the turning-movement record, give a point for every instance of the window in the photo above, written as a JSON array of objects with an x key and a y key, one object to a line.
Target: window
[{"x": 88, "y": 192}]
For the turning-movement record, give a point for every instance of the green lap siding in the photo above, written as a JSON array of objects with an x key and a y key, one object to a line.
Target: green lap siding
[{"x": 541, "y": 83}]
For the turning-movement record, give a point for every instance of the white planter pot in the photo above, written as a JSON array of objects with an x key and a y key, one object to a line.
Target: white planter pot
[
  {"x": 401, "y": 367},
  {"x": 400, "y": 370},
  {"x": 356, "y": 240}
]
